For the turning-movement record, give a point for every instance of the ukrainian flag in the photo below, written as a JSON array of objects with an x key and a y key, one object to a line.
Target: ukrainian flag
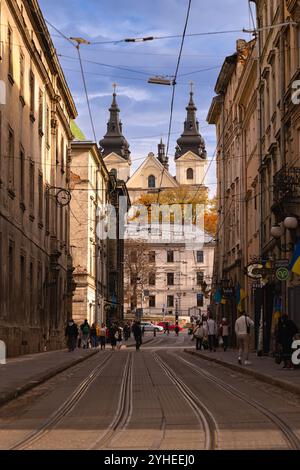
[
  {"x": 240, "y": 296},
  {"x": 294, "y": 265}
]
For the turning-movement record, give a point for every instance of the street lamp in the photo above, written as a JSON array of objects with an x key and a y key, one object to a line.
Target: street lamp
[{"x": 291, "y": 223}]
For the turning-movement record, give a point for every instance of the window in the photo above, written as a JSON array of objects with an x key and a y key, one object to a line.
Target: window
[
  {"x": 199, "y": 300},
  {"x": 22, "y": 281},
  {"x": 22, "y": 72},
  {"x": 22, "y": 174},
  {"x": 151, "y": 181},
  {"x": 151, "y": 256},
  {"x": 10, "y": 51},
  {"x": 31, "y": 291},
  {"x": 62, "y": 154},
  {"x": 41, "y": 112},
  {"x": 170, "y": 301},
  {"x": 47, "y": 212},
  {"x": 200, "y": 257},
  {"x": 47, "y": 126},
  {"x": 11, "y": 156},
  {"x": 190, "y": 174},
  {"x": 170, "y": 256},
  {"x": 200, "y": 278},
  {"x": 31, "y": 183},
  {"x": 170, "y": 279},
  {"x": 151, "y": 300},
  {"x": 11, "y": 271},
  {"x": 41, "y": 197},
  {"x": 32, "y": 92},
  {"x": 133, "y": 256},
  {"x": 152, "y": 279}
]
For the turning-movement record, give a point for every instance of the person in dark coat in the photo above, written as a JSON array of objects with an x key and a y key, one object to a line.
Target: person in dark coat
[
  {"x": 285, "y": 334},
  {"x": 137, "y": 333},
  {"x": 71, "y": 333}
]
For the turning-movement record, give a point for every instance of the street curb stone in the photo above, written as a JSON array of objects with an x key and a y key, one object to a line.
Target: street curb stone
[
  {"x": 289, "y": 387},
  {"x": 12, "y": 394}
]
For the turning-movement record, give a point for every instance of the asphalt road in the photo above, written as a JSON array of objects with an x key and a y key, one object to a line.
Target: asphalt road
[{"x": 158, "y": 398}]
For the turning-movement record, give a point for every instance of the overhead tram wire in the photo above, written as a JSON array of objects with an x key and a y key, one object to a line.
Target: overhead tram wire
[{"x": 173, "y": 91}]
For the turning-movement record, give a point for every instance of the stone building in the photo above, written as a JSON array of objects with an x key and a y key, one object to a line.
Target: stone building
[
  {"x": 35, "y": 135},
  {"x": 90, "y": 183},
  {"x": 257, "y": 118},
  {"x": 178, "y": 281}
]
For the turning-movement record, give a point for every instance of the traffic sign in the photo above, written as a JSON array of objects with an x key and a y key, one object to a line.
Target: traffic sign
[
  {"x": 282, "y": 274},
  {"x": 282, "y": 263}
]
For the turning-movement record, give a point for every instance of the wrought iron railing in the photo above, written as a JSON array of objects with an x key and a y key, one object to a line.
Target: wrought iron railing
[{"x": 287, "y": 185}]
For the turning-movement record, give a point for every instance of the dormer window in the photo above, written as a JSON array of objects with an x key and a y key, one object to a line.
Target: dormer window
[
  {"x": 151, "y": 181},
  {"x": 190, "y": 174}
]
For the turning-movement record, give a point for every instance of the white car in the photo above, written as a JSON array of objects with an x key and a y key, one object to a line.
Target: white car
[{"x": 148, "y": 326}]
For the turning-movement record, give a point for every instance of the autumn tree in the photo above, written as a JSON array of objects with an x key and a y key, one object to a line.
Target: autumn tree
[
  {"x": 184, "y": 195},
  {"x": 138, "y": 268}
]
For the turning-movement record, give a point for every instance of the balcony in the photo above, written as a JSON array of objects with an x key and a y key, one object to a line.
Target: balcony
[{"x": 286, "y": 191}]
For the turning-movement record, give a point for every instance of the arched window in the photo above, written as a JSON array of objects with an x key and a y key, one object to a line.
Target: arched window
[
  {"x": 114, "y": 172},
  {"x": 151, "y": 181},
  {"x": 190, "y": 174}
]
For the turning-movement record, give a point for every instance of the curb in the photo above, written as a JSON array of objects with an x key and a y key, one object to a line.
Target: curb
[
  {"x": 289, "y": 387},
  {"x": 11, "y": 395}
]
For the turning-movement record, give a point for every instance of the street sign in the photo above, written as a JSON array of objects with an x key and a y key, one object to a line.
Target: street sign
[
  {"x": 282, "y": 274},
  {"x": 282, "y": 263}
]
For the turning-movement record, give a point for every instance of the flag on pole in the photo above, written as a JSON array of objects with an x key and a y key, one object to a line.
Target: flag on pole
[
  {"x": 294, "y": 265},
  {"x": 218, "y": 296},
  {"x": 240, "y": 296}
]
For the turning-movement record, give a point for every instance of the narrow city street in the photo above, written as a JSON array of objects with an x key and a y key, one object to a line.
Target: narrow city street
[{"x": 158, "y": 398}]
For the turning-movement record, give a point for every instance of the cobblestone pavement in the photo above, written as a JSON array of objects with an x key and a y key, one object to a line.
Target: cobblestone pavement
[{"x": 159, "y": 398}]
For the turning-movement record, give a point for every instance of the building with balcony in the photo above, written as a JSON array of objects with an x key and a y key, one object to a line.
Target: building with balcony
[{"x": 36, "y": 109}]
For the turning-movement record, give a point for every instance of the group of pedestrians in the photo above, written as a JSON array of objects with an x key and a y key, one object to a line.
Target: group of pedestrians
[
  {"x": 95, "y": 336},
  {"x": 210, "y": 335}
]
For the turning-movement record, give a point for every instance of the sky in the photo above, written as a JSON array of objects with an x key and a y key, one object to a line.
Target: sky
[{"x": 145, "y": 108}]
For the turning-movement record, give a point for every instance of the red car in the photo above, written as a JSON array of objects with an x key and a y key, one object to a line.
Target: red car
[{"x": 171, "y": 326}]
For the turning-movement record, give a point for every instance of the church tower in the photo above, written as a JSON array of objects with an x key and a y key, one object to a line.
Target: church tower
[
  {"x": 162, "y": 157},
  {"x": 190, "y": 155},
  {"x": 114, "y": 147}
]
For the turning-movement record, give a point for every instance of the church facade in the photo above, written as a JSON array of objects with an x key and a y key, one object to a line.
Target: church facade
[{"x": 173, "y": 277}]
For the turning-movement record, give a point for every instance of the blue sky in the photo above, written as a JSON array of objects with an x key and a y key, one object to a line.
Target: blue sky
[{"x": 145, "y": 108}]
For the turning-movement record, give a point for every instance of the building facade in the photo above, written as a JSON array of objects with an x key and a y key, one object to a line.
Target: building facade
[
  {"x": 256, "y": 113},
  {"x": 90, "y": 182},
  {"x": 35, "y": 112}
]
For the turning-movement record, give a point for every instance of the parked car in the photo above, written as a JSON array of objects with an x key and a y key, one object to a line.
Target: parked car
[
  {"x": 148, "y": 326},
  {"x": 171, "y": 326}
]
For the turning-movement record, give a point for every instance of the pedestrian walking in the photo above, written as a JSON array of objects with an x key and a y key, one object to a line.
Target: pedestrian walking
[
  {"x": 177, "y": 329},
  {"x": 285, "y": 335},
  {"x": 243, "y": 327},
  {"x": 167, "y": 328},
  {"x": 113, "y": 336},
  {"x": 211, "y": 333},
  {"x": 224, "y": 333},
  {"x": 199, "y": 335},
  {"x": 102, "y": 336},
  {"x": 119, "y": 335},
  {"x": 93, "y": 335},
  {"x": 85, "y": 334},
  {"x": 71, "y": 333},
  {"x": 137, "y": 333}
]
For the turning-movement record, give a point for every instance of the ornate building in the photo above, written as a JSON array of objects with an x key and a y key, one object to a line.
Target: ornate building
[
  {"x": 177, "y": 280},
  {"x": 35, "y": 135}
]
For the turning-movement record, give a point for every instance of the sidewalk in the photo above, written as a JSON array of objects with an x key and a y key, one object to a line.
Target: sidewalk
[
  {"x": 262, "y": 368},
  {"x": 23, "y": 373}
]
